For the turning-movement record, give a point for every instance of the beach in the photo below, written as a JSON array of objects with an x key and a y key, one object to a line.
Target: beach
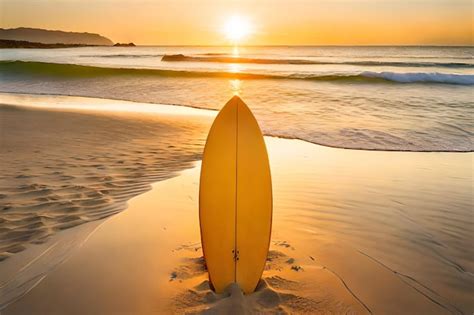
[{"x": 354, "y": 231}]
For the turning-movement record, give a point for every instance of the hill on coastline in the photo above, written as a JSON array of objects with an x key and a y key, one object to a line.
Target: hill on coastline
[
  {"x": 7, "y": 43},
  {"x": 38, "y": 35}
]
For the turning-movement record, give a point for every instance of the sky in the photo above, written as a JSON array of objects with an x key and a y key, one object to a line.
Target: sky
[{"x": 269, "y": 22}]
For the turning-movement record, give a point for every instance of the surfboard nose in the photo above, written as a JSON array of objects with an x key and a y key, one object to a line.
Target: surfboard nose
[
  {"x": 236, "y": 101},
  {"x": 236, "y": 98}
]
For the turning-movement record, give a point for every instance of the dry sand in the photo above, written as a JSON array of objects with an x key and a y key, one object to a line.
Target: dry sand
[
  {"x": 353, "y": 232},
  {"x": 61, "y": 169}
]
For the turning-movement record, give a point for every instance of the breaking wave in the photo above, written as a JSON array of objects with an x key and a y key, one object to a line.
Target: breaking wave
[{"x": 30, "y": 68}]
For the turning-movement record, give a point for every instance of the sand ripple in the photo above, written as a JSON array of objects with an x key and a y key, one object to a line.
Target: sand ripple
[{"x": 59, "y": 170}]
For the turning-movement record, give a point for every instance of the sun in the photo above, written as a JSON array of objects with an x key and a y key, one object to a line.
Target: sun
[{"x": 237, "y": 28}]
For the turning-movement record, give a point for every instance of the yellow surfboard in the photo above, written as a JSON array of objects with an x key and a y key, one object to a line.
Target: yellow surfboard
[{"x": 235, "y": 199}]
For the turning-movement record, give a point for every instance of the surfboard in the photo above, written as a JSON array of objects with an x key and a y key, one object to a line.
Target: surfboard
[{"x": 235, "y": 199}]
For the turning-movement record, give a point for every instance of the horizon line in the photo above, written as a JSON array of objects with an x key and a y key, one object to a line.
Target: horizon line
[{"x": 303, "y": 45}]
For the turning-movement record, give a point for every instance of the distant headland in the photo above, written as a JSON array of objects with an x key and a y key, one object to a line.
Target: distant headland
[
  {"x": 23, "y": 37},
  {"x": 6, "y": 43}
]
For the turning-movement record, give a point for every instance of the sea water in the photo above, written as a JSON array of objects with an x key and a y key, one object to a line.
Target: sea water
[{"x": 375, "y": 98}]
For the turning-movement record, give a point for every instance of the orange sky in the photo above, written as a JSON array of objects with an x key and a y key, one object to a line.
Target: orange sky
[{"x": 274, "y": 22}]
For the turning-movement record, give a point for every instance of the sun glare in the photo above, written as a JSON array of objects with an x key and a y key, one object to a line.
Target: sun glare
[{"x": 237, "y": 28}]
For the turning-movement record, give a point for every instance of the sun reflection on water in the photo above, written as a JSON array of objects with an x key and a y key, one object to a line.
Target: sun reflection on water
[
  {"x": 235, "y": 51},
  {"x": 236, "y": 86},
  {"x": 235, "y": 67}
]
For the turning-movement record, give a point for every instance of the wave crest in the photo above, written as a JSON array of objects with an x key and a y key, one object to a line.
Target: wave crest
[
  {"x": 229, "y": 59},
  {"x": 29, "y": 68}
]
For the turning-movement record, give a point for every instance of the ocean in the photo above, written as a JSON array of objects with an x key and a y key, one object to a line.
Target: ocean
[{"x": 372, "y": 98}]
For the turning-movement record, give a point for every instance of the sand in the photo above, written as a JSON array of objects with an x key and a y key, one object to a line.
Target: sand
[
  {"x": 354, "y": 232},
  {"x": 67, "y": 161},
  {"x": 59, "y": 171},
  {"x": 148, "y": 259}
]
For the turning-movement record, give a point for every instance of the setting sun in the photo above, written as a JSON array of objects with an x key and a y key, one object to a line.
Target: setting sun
[{"x": 237, "y": 28}]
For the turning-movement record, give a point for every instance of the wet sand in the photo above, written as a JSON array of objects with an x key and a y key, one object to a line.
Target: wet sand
[{"x": 353, "y": 232}]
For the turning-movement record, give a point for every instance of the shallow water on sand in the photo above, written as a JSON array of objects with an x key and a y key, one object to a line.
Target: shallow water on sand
[{"x": 409, "y": 213}]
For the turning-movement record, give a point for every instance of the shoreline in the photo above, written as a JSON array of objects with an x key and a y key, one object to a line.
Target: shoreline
[{"x": 205, "y": 111}]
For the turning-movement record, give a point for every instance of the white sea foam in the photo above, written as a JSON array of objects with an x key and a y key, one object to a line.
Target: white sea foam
[{"x": 419, "y": 77}]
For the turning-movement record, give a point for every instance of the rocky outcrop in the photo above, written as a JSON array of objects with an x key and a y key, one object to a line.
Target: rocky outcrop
[{"x": 124, "y": 45}]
